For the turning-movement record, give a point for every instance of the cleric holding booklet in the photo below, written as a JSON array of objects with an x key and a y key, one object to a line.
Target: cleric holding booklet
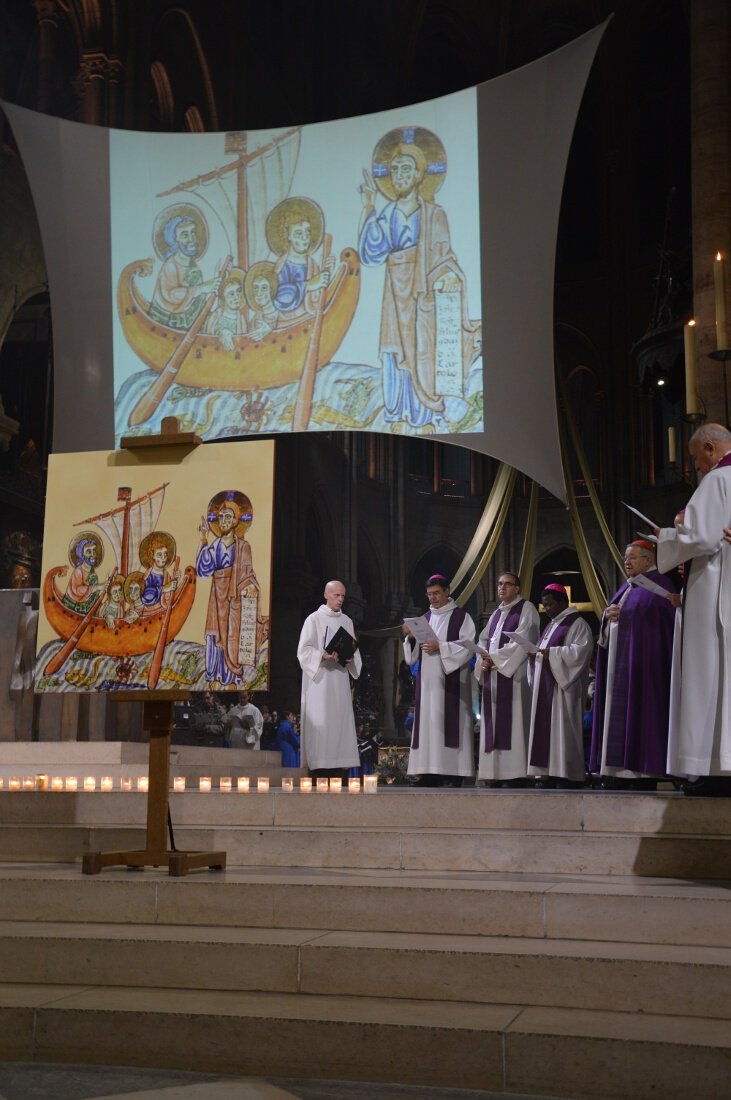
[
  {"x": 441, "y": 742},
  {"x": 328, "y": 741}
]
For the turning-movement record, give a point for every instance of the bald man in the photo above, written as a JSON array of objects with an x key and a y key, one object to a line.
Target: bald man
[
  {"x": 329, "y": 744},
  {"x": 700, "y": 730}
]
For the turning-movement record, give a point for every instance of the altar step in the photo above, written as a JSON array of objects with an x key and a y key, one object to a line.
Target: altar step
[
  {"x": 616, "y": 977},
  {"x": 502, "y": 1048},
  {"x": 560, "y": 833},
  {"x": 542, "y": 907}
]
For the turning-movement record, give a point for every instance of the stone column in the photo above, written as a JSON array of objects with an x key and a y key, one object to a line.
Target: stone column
[
  {"x": 48, "y": 13},
  {"x": 97, "y": 85},
  {"x": 710, "y": 93}
]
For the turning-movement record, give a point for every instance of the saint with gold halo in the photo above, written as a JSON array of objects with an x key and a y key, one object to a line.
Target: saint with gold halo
[
  {"x": 411, "y": 236},
  {"x": 228, "y": 562}
]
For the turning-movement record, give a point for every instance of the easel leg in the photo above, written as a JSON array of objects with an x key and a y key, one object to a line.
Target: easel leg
[{"x": 158, "y": 720}]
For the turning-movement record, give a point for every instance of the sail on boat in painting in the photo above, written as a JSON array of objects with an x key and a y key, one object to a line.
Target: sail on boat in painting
[{"x": 235, "y": 330}]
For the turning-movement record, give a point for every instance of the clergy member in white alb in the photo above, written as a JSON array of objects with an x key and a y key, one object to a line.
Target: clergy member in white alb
[
  {"x": 560, "y": 678},
  {"x": 505, "y": 722},
  {"x": 327, "y": 726},
  {"x": 441, "y": 741},
  {"x": 700, "y": 740}
]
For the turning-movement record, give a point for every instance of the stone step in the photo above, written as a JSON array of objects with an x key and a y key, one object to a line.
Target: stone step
[
  {"x": 510, "y": 1048},
  {"x": 631, "y": 910},
  {"x": 423, "y": 849},
  {"x": 645, "y": 978},
  {"x": 548, "y": 812}
]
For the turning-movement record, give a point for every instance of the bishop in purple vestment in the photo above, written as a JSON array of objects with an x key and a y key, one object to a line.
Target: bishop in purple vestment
[{"x": 634, "y": 661}]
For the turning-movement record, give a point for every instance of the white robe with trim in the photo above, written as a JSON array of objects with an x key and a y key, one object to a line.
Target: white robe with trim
[
  {"x": 701, "y": 732},
  {"x": 510, "y": 661},
  {"x": 327, "y": 726},
  {"x": 569, "y": 664},
  {"x": 432, "y": 756}
]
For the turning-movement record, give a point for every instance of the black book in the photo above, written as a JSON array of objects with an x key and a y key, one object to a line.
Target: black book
[{"x": 343, "y": 644}]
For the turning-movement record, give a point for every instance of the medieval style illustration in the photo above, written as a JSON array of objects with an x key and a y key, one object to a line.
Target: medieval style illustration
[
  {"x": 251, "y": 319},
  {"x": 131, "y": 611}
]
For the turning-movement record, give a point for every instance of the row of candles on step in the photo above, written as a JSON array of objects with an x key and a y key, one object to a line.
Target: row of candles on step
[{"x": 333, "y": 785}]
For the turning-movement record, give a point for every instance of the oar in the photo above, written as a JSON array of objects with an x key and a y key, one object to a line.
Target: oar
[
  {"x": 162, "y": 639},
  {"x": 152, "y": 397},
  {"x": 70, "y": 645},
  {"x": 303, "y": 404}
]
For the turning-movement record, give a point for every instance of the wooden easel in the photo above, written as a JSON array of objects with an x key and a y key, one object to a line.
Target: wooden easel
[{"x": 158, "y": 721}]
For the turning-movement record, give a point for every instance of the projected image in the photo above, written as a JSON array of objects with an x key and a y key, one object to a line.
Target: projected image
[
  {"x": 301, "y": 279},
  {"x": 158, "y": 589}
]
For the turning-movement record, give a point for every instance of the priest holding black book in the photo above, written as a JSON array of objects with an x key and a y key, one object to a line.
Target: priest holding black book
[{"x": 329, "y": 658}]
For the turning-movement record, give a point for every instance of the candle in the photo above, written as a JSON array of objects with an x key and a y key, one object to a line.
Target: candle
[
  {"x": 672, "y": 446},
  {"x": 2, "y": 782},
  {"x": 29, "y": 783},
  {"x": 179, "y": 783},
  {"x": 243, "y": 783},
  {"x": 719, "y": 282},
  {"x": 306, "y": 785},
  {"x": 370, "y": 784},
  {"x": 336, "y": 784},
  {"x": 107, "y": 783},
  {"x": 691, "y": 398},
  {"x": 14, "y": 783},
  {"x": 143, "y": 783},
  {"x": 41, "y": 783},
  {"x": 262, "y": 783},
  {"x": 56, "y": 782},
  {"x": 204, "y": 783},
  {"x": 125, "y": 783},
  {"x": 354, "y": 786},
  {"x": 323, "y": 785},
  {"x": 224, "y": 783},
  {"x": 72, "y": 783},
  {"x": 287, "y": 783}
]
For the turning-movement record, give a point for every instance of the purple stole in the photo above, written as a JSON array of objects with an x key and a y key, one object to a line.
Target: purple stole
[
  {"x": 451, "y": 689},
  {"x": 501, "y": 736},
  {"x": 540, "y": 750}
]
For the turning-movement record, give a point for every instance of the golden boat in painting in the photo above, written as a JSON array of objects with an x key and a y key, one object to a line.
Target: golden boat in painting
[
  {"x": 123, "y": 639},
  {"x": 275, "y": 360}
]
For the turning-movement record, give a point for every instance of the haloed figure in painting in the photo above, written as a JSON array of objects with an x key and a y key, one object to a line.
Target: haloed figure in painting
[{"x": 233, "y": 602}]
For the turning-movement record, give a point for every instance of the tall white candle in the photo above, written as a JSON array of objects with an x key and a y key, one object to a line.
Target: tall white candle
[
  {"x": 107, "y": 783},
  {"x": 691, "y": 398},
  {"x": 672, "y": 446},
  {"x": 179, "y": 783},
  {"x": 243, "y": 783},
  {"x": 719, "y": 283},
  {"x": 56, "y": 782}
]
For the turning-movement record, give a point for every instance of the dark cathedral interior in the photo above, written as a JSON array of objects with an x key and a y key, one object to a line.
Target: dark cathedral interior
[
  {"x": 581, "y": 939},
  {"x": 383, "y": 512}
]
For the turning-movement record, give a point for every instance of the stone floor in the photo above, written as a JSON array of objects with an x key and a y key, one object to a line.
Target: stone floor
[{"x": 34, "y": 1081}]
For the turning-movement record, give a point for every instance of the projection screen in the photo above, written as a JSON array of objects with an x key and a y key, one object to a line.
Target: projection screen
[{"x": 391, "y": 273}]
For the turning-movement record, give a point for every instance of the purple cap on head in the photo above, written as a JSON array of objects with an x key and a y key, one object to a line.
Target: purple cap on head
[
  {"x": 556, "y": 588},
  {"x": 438, "y": 578}
]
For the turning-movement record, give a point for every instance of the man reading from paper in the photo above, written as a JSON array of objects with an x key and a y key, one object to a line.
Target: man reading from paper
[
  {"x": 503, "y": 674},
  {"x": 629, "y": 742},
  {"x": 702, "y": 745},
  {"x": 441, "y": 741},
  {"x": 559, "y": 680},
  {"x": 327, "y": 728}
]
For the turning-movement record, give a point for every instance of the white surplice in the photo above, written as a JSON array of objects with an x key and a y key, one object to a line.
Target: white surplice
[
  {"x": 432, "y": 756},
  {"x": 701, "y": 731},
  {"x": 569, "y": 664},
  {"x": 327, "y": 726},
  {"x": 511, "y": 661}
]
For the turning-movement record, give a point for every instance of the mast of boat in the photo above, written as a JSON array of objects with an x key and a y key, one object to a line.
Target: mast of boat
[
  {"x": 124, "y": 494},
  {"x": 235, "y": 144}
]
